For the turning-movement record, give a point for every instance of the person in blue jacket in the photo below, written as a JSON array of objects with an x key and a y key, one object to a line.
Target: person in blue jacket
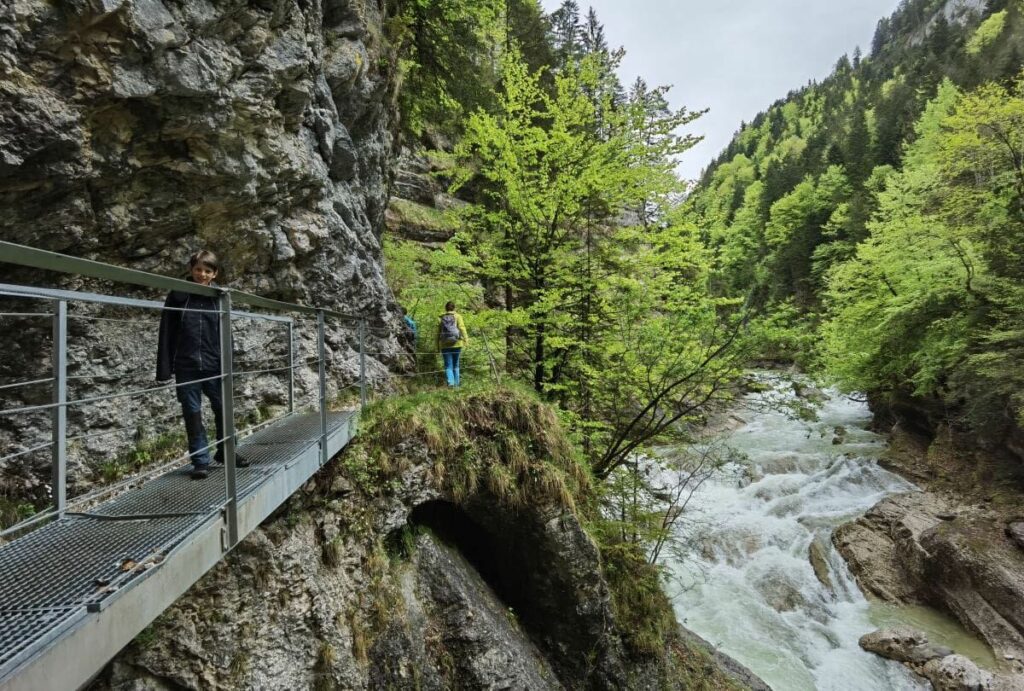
[
  {"x": 189, "y": 350},
  {"x": 410, "y": 324}
]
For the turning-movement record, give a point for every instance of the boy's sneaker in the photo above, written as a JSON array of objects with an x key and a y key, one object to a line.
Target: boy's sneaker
[{"x": 200, "y": 472}]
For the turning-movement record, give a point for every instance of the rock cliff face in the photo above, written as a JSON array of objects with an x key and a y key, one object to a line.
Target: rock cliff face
[{"x": 137, "y": 131}]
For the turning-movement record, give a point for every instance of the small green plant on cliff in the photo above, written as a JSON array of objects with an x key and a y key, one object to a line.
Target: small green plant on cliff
[
  {"x": 332, "y": 552},
  {"x": 326, "y": 657},
  {"x": 12, "y": 511},
  {"x": 641, "y": 607},
  {"x": 148, "y": 450},
  {"x": 416, "y": 215}
]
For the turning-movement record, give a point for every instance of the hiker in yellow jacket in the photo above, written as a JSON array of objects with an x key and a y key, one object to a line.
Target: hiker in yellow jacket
[{"x": 451, "y": 338}]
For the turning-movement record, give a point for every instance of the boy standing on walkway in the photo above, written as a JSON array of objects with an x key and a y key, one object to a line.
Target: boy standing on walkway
[
  {"x": 189, "y": 349},
  {"x": 451, "y": 338}
]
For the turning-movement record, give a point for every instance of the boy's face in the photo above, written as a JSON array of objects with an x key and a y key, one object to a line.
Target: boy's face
[{"x": 203, "y": 274}]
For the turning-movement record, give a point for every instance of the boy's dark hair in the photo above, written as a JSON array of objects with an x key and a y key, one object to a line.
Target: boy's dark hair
[
  {"x": 449, "y": 306},
  {"x": 205, "y": 257}
]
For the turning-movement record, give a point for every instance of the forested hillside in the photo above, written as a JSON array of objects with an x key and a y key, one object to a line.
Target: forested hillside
[{"x": 876, "y": 219}]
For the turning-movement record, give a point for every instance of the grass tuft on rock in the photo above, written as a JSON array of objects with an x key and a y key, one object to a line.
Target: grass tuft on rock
[{"x": 500, "y": 438}]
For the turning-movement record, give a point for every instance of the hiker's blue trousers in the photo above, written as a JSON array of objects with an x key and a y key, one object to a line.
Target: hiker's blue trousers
[{"x": 451, "y": 364}]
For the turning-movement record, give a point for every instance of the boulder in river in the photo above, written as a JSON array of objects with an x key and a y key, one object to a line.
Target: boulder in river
[
  {"x": 902, "y": 551},
  {"x": 816, "y": 554},
  {"x": 946, "y": 670},
  {"x": 901, "y": 643}
]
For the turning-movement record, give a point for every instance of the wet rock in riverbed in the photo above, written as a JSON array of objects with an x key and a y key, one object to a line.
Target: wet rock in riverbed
[
  {"x": 946, "y": 670},
  {"x": 816, "y": 554},
  {"x": 902, "y": 551},
  {"x": 779, "y": 592},
  {"x": 882, "y": 547},
  {"x": 901, "y": 643},
  {"x": 838, "y": 435}
]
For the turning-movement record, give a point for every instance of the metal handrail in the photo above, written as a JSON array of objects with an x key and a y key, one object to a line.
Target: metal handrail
[
  {"x": 10, "y": 290},
  {"x": 52, "y": 261}
]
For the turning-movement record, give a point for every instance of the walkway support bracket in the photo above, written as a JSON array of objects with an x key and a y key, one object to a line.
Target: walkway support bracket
[{"x": 227, "y": 384}]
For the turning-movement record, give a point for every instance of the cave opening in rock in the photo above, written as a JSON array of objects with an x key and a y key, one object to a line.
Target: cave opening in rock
[{"x": 495, "y": 558}]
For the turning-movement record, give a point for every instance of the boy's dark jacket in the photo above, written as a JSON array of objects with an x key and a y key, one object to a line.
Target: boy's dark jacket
[{"x": 189, "y": 340}]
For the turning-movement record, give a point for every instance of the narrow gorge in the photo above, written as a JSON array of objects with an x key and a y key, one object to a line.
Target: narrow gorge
[{"x": 759, "y": 430}]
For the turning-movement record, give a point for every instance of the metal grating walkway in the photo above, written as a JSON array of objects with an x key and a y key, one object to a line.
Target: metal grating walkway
[{"x": 57, "y": 577}]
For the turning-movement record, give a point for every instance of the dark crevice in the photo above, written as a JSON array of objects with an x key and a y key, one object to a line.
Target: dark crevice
[{"x": 495, "y": 558}]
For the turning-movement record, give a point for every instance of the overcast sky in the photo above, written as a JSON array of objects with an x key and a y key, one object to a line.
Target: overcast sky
[{"x": 735, "y": 57}]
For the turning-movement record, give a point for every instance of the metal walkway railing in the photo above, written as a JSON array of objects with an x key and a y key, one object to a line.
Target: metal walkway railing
[{"x": 80, "y": 579}]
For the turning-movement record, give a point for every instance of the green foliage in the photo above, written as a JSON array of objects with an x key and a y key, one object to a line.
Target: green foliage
[
  {"x": 441, "y": 44},
  {"x": 784, "y": 334},
  {"x": 773, "y": 238},
  {"x": 449, "y": 53},
  {"x": 641, "y": 608},
  {"x": 147, "y": 451},
  {"x": 13, "y": 511},
  {"x": 932, "y": 299},
  {"x": 987, "y": 33},
  {"x": 424, "y": 280},
  {"x": 614, "y": 323},
  {"x": 876, "y": 219}
]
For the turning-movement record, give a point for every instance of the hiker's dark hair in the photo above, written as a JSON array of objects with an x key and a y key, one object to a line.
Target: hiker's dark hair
[
  {"x": 449, "y": 306},
  {"x": 205, "y": 257}
]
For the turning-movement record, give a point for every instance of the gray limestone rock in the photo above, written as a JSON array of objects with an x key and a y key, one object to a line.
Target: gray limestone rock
[
  {"x": 134, "y": 133},
  {"x": 817, "y": 555},
  {"x": 1015, "y": 531},
  {"x": 946, "y": 670},
  {"x": 956, "y": 673},
  {"x": 903, "y": 551}
]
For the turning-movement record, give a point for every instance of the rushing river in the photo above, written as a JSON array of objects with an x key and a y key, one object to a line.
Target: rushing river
[{"x": 748, "y": 586}]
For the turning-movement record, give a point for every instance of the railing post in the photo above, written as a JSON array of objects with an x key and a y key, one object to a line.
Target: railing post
[
  {"x": 59, "y": 469},
  {"x": 227, "y": 383},
  {"x": 321, "y": 338},
  {"x": 291, "y": 366},
  {"x": 362, "y": 364}
]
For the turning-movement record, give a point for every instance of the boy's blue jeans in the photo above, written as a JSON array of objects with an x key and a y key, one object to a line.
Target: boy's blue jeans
[
  {"x": 191, "y": 398},
  {"x": 451, "y": 364}
]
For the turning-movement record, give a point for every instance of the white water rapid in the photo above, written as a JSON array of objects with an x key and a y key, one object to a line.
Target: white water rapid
[{"x": 748, "y": 586}]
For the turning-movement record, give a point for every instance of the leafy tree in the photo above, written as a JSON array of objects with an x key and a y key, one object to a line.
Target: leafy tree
[
  {"x": 442, "y": 44},
  {"x": 933, "y": 298},
  {"x": 605, "y": 320}
]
